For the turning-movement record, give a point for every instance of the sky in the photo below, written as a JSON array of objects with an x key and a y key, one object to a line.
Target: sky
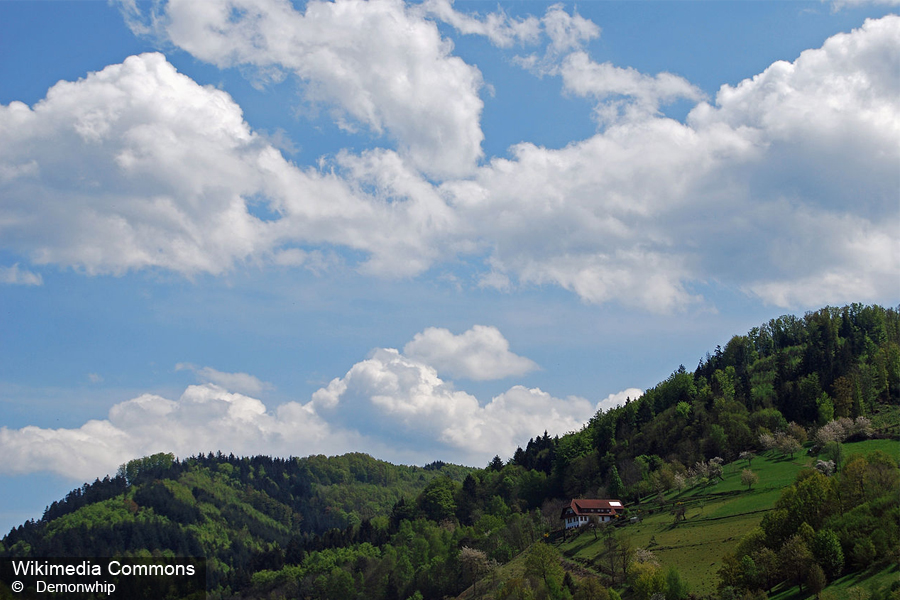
[{"x": 421, "y": 230}]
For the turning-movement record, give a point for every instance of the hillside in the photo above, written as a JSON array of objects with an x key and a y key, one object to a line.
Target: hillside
[
  {"x": 694, "y": 529},
  {"x": 244, "y": 514},
  {"x": 776, "y": 402}
]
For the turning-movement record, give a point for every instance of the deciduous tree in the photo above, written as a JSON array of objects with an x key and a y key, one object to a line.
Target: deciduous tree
[
  {"x": 795, "y": 559},
  {"x": 826, "y": 549},
  {"x": 542, "y": 563},
  {"x": 748, "y": 478}
]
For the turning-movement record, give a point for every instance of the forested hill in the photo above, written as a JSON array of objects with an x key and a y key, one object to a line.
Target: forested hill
[
  {"x": 355, "y": 527},
  {"x": 245, "y": 513},
  {"x": 790, "y": 375},
  {"x": 308, "y": 496}
]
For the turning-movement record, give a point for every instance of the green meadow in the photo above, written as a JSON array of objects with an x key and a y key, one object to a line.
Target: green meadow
[
  {"x": 716, "y": 517},
  {"x": 856, "y": 586}
]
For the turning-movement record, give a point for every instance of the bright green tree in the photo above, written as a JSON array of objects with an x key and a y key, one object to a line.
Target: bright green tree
[
  {"x": 437, "y": 499},
  {"x": 542, "y": 562},
  {"x": 616, "y": 487},
  {"x": 826, "y": 549},
  {"x": 676, "y": 586},
  {"x": 717, "y": 442},
  {"x": 646, "y": 580}
]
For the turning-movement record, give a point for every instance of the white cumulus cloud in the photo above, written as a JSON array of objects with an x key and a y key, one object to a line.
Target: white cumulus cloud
[
  {"x": 619, "y": 399},
  {"x": 15, "y": 276},
  {"x": 388, "y": 405},
  {"x": 820, "y": 203},
  {"x": 134, "y": 166},
  {"x": 378, "y": 63},
  {"x": 623, "y": 90},
  {"x": 783, "y": 186},
  {"x": 238, "y": 382},
  {"x": 567, "y": 31},
  {"x": 391, "y": 404},
  {"x": 137, "y": 166},
  {"x": 480, "y": 353},
  {"x": 498, "y": 27},
  {"x": 205, "y": 418},
  {"x": 402, "y": 400}
]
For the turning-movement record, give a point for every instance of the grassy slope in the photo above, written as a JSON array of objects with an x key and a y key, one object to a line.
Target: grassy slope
[
  {"x": 849, "y": 587},
  {"x": 717, "y": 517}
]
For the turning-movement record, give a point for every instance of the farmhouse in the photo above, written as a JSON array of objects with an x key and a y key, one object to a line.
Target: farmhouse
[{"x": 579, "y": 511}]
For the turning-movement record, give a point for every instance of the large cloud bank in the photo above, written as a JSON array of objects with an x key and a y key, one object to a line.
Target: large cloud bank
[
  {"x": 783, "y": 186},
  {"x": 138, "y": 166},
  {"x": 389, "y": 404}
]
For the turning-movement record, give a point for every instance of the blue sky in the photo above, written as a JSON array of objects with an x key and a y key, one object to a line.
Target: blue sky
[{"x": 419, "y": 230}]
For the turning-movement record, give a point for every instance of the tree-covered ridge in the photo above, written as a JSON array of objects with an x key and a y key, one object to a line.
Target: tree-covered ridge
[
  {"x": 788, "y": 375},
  {"x": 355, "y": 527},
  {"x": 325, "y": 492},
  {"x": 236, "y": 509}
]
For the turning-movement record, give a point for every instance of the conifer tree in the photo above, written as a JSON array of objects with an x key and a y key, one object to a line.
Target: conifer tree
[{"x": 615, "y": 487}]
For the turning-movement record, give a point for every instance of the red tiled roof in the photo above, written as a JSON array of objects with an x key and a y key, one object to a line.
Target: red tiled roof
[{"x": 592, "y": 506}]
